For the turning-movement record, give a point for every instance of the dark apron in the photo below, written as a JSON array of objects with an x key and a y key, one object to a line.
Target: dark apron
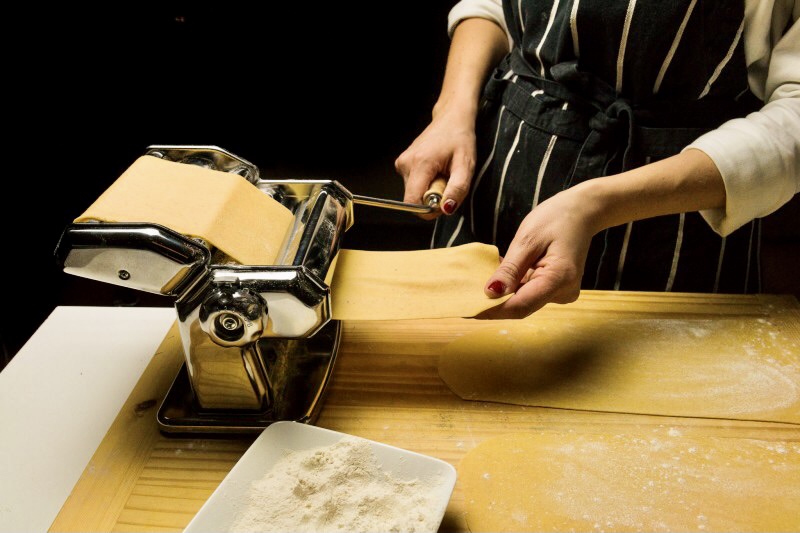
[{"x": 556, "y": 113}]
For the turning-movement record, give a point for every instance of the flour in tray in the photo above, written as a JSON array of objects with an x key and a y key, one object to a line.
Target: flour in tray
[{"x": 340, "y": 487}]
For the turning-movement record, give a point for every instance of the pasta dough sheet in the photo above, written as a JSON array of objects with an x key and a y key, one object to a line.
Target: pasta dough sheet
[
  {"x": 673, "y": 367},
  {"x": 552, "y": 482},
  {"x": 219, "y": 207},
  {"x": 440, "y": 283},
  {"x": 249, "y": 226}
]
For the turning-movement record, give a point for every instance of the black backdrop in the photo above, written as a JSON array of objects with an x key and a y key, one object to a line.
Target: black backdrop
[{"x": 301, "y": 89}]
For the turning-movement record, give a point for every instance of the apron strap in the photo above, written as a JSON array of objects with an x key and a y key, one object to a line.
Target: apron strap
[{"x": 616, "y": 134}]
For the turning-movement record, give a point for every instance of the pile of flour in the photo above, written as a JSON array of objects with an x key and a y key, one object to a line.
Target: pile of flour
[{"x": 337, "y": 488}]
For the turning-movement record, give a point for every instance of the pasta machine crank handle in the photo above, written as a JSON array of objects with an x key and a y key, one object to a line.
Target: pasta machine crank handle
[{"x": 432, "y": 198}]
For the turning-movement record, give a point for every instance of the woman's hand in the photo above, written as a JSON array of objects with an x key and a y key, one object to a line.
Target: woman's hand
[
  {"x": 546, "y": 258},
  {"x": 446, "y": 148}
]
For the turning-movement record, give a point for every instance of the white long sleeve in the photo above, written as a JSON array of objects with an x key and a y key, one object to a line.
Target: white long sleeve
[{"x": 758, "y": 155}]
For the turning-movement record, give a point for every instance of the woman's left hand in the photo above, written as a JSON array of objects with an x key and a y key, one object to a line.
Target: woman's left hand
[{"x": 546, "y": 258}]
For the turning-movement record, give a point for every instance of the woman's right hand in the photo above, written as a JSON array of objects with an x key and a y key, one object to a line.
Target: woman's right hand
[{"x": 445, "y": 149}]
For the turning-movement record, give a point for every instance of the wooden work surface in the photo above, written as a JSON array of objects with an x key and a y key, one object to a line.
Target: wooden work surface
[{"x": 386, "y": 387}]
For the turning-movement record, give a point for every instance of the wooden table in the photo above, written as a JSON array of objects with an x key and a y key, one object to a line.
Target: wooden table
[{"x": 386, "y": 388}]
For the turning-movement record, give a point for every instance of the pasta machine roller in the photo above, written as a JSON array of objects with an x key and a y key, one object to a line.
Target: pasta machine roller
[{"x": 259, "y": 342}]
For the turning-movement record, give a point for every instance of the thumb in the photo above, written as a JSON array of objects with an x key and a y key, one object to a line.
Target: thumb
[
  {"x": 457, "y": 184},
  {"x": 508, "y": 276},
  {"x": 505, "y": 280}
]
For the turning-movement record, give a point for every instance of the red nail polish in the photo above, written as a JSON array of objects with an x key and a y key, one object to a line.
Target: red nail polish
[
  {"x": 449, "y": 206},
  {"x": 497, "y": 287}
]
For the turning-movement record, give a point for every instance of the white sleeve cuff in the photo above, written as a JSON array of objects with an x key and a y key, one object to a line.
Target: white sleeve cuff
[
  {"x": 486, "y": 9},
  {"x": 759, "y": 159}
]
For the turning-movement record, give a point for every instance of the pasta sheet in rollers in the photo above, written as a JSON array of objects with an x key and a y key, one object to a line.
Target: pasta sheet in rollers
[{"x": 249, "y": 226}]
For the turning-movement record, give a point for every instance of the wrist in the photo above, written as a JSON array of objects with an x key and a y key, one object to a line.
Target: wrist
[
  {"x": 585, "y": 205},
  {"x": 461, "y": 108},
  {"x": 682, "y": 183},
  {"x": 592, "y": 203}
]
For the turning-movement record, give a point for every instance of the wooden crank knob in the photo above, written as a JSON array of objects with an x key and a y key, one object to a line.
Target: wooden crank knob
[{"x": 433, "y": 196}]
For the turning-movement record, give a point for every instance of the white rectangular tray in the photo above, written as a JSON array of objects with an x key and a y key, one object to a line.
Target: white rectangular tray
[{"x": 220, "y": 510}]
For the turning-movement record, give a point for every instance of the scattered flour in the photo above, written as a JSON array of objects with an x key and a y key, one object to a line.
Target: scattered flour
[{"x": 339, "y": 488}]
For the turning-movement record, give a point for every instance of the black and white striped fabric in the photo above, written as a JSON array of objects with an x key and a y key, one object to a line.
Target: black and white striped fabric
[{"x": 595, "y": 87}]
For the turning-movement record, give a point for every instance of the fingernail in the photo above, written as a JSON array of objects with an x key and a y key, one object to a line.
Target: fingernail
[
  {"x": 497, "y": 287},
  {"x": 449, "y": 206}
]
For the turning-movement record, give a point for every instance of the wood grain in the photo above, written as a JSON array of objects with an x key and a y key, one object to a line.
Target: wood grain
[{"x": 385, "y": 388}]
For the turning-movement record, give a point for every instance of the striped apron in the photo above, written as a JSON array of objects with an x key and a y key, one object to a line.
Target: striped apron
[{"x": 593, "y": 88}]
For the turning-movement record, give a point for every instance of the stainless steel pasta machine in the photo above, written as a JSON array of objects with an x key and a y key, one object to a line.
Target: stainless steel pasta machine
[{"x": 258, "y": 340}]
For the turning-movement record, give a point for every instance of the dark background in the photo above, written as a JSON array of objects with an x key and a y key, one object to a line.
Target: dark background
[{"x": 301, "y": 89}]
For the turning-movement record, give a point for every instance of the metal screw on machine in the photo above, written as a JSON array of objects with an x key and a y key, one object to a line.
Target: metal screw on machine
[
  {"x": 232, "y": 316},
  {"x": 433, "y": 196}
]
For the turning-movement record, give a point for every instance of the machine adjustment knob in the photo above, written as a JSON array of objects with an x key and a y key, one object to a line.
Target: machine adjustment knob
[{"x": 233, "y": 316}]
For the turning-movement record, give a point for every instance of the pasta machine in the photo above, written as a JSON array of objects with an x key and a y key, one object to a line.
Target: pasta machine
[{"x": 258, "y": 340}]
